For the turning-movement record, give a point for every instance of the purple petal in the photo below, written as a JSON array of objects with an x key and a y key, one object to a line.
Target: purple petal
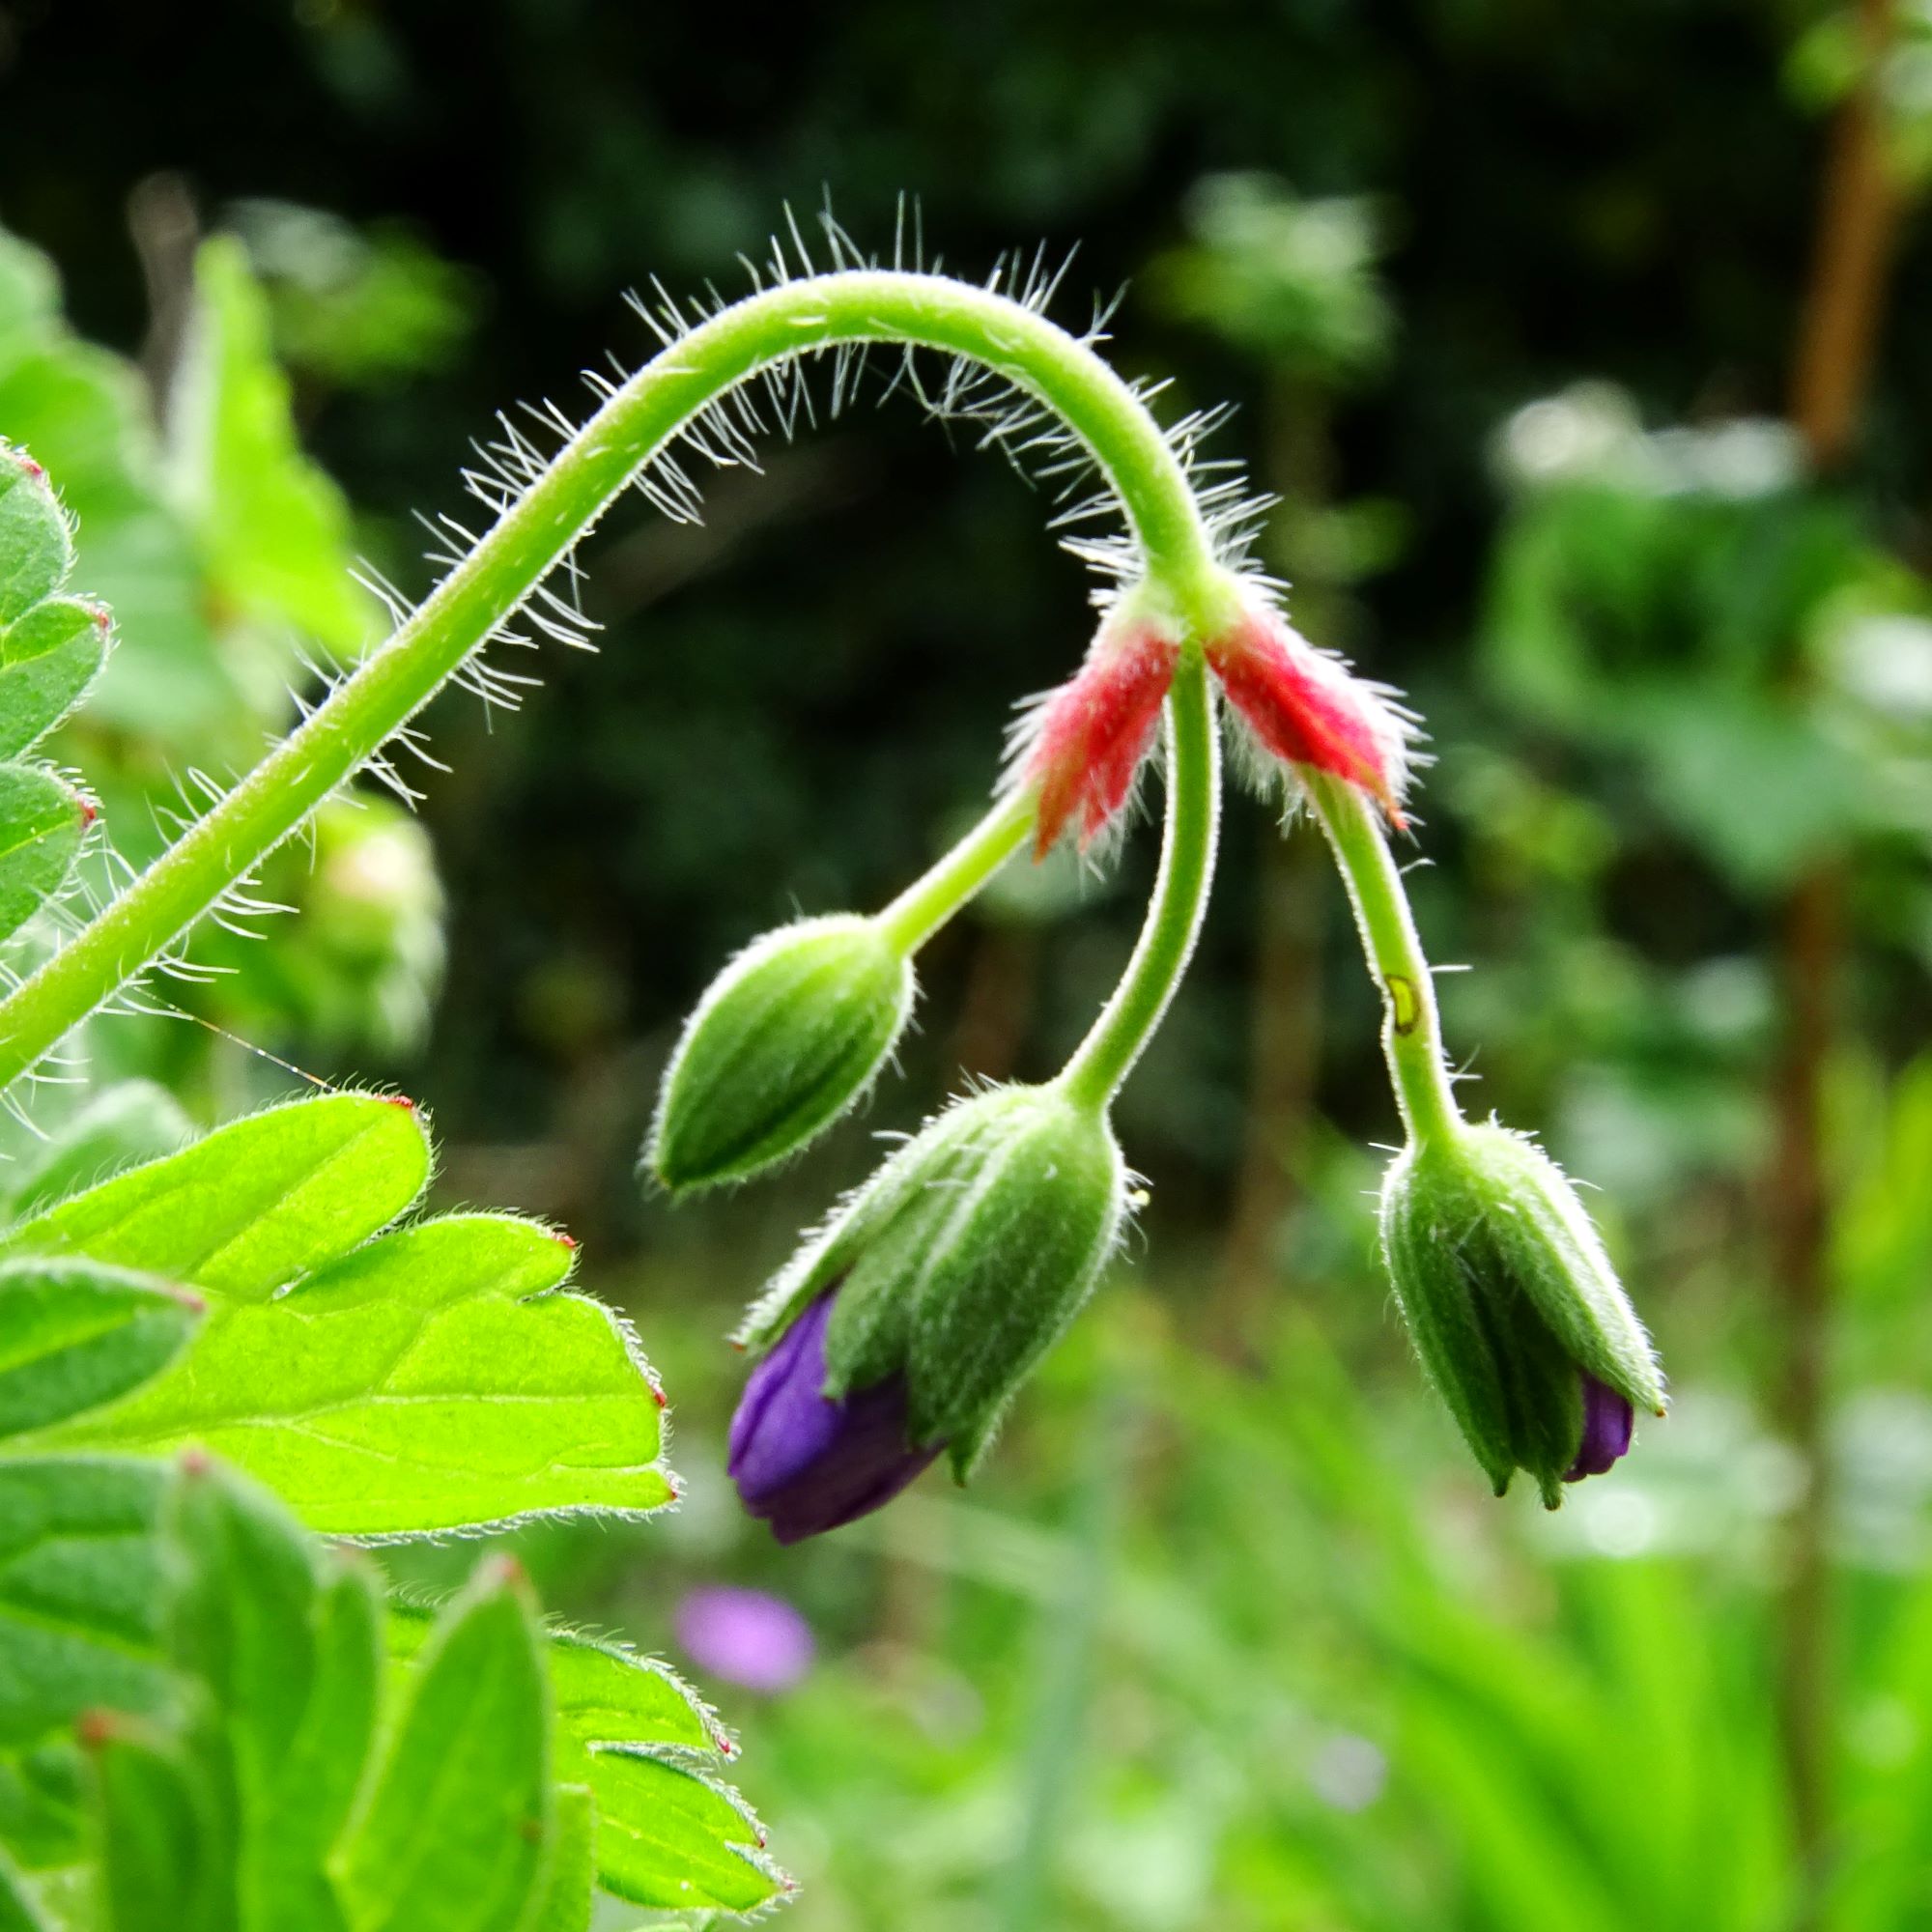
[
  {"x": 1608, "y": 1421},
  {"x": 805, "y": 1464},
  {"x": 781, "y": 1421},
  {"x": 745, "y": 1636}
]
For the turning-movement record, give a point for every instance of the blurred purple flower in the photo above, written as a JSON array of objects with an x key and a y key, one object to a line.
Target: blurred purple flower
[
  {"x": 745, "y": 1636},
  {"x": 806, "y": 1463},
  {"x": 1608, "y": 1420}
]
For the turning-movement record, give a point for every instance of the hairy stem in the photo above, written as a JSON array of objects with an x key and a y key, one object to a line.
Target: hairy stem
[
  {"x": 636, "y": 424},
  {"x": 1107, "y": 1055},
  {"x": 933, "y": 897},
  {"x": 1411, "y": 1028}
]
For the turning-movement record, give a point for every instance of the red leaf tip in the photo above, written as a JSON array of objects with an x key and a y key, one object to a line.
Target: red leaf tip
[{"x": 97, "y": 1729}]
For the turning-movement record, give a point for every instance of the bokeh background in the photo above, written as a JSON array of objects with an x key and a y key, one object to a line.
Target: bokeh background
[{"x": 1584, "y": 344}]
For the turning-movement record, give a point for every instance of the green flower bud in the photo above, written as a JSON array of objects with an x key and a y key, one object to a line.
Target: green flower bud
[
  {"x": 1516, "y": 1312},
  {"x": 789, "y": 1036},
  {"x": 957, "y": 1265}
]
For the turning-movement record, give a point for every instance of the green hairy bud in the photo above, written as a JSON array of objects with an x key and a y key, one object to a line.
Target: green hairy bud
[
  {"x": 789, "y": 1036},
  {"x": 957, "y": 1265},
  {"x": 1516, "y": 1314}
]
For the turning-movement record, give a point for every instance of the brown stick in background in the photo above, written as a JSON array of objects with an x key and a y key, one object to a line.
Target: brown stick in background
[{"x": 1837, "y": 342}]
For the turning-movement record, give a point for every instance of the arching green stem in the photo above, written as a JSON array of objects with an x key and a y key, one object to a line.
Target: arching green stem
[
  {"x": 936, "y": 895},
  {"x": 593, "y": 467},
  {"x": 1412, "y": 1030},
  {"x": 1106, "y": 1057}
]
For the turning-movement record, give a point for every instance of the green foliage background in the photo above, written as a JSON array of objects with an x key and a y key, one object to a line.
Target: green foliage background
[{"x": 1227, "y": 1634}]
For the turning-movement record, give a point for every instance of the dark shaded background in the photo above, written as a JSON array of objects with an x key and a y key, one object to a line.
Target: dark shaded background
[
  {"x": 797, "y": 706},
  {"x": 814, "y": 691}
]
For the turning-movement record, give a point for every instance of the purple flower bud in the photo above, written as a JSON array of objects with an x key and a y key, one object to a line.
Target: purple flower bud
[
  {"x": 806, "y": 1463},
  {"x": 1516, "y": 1311},
  {"x": 745, "y": 1636},
  {"x": 1608, "y": 1421}
]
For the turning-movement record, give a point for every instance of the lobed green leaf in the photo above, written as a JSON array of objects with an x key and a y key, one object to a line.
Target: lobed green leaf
[
  {"x": 48, "y": 658},
  {"x": 43, "y": 820},
  {"x": 452, "y": 1835},
  {"x": 288, "y": 1661},
  {"x": 427, "y": 1381},
  {"x": 565, "y": 1893},
  {"x": 17, "y": 1914},
  {"x": 75, "y": 1334},
  {"x": 631, "y": 1730},
  {"x": 50, "y": 651},
  {"x": 79, "y": 1579},
  {"x": 158, "y": 1840},
  {"x": 273, "y": 528},
  {"x": 35, "y": 545},
  {"x": 323, "y": 1768},
  {"x": 436, "y": 1376},
  {"x": 672, "y": 1838},
  {"x": 245, "y": 1211}
]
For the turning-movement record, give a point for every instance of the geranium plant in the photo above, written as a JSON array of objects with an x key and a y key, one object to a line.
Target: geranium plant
[{"x": 196, "y": 1726}]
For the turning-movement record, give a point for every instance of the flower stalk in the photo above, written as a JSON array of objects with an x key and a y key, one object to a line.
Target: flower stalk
[
  {"x": 1411, "y": 1027},
  {"x": 535, "y": 532},
  {"x": 909, "y": 1321},
  {"x": 1515, "y": 1310},
  {"x": 1104, "y": 1059},
  {"x": 953, "y": 880},
  {"x": 793, "y": 1033}
]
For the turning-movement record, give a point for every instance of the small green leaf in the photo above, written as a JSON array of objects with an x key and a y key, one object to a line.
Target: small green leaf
[
  {"x": 254, "y": 1205},
  {"x": 436, "y": 1263},
  {"x": 43, "y": 820},
  {"x": 425, "y": 1382},
  {"x": 88, "y": 414},
  {"x": 79, "y": 1589},
  {"x": 17, "y": 1914},
  {"x": 29, "y": 290},
  {"x": 48, "y": 659},
  {"x": 80, "y": 1582},
  {"x": 286, "y": 1884},
  {"x": 158, "y": 1837},
  {"x": 42, "y": 1821},
  {"x": 628, "y": 1728},
  {"x": 671, "y": 1837},
  {"x": 320, "y": 1765},
  {"x": 35, "y": 548},
  {"x": 273, "y": 528},
  {"x": 290, "y": 1665},
  {"x": 453, "y": 1834},
  {"x": 76, "y": 1334},
  {"x": 239, "y": 1612},
  {"x": 608, "y": 1696},
  {"x": 120, "y": 1128},
  {"x": 564, "y": 1895}
]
